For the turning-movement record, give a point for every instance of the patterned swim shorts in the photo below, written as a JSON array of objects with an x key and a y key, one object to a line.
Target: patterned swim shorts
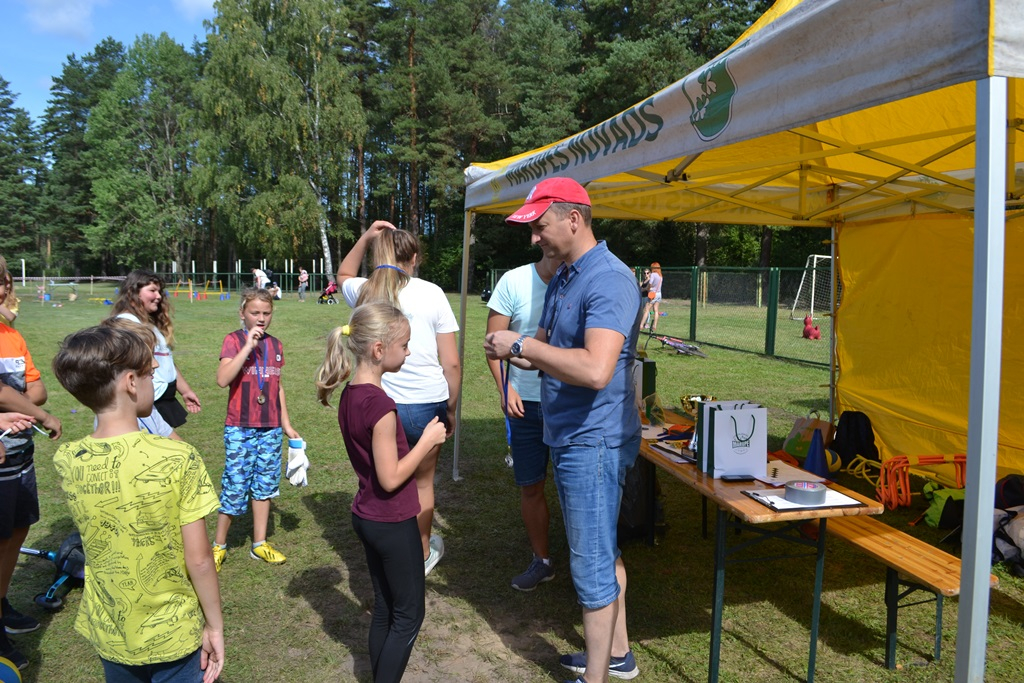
[{"x": 252, "y": 467}]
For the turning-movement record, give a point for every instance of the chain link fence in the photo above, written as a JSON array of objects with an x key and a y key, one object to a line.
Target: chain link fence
[{"x": 747, "y": 309}]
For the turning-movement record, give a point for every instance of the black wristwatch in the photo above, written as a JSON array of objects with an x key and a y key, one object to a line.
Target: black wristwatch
[{"x": 517, "y": 347}]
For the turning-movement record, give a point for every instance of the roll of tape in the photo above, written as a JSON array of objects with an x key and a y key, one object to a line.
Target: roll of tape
[{"x": 806, "y": 492}]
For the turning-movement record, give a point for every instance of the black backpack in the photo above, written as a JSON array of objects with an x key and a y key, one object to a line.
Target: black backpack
[
  {"x": 854, "y": 437},
  {"x": 70, "y": 558},
  {"x": 1010, "y": 491}
]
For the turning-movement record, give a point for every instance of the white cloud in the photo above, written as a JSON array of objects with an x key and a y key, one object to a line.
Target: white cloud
[
  {"x": 194, "y": 9},
  {"x": 69, "y": 18}
]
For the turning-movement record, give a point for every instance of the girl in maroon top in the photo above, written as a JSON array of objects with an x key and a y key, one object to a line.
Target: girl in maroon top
[{"x": 385, "y": 507}]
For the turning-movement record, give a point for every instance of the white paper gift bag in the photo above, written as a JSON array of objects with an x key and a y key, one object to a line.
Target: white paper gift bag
[
  {"x": 701, "y": 433},
  {"x": 737, "y": 440}
]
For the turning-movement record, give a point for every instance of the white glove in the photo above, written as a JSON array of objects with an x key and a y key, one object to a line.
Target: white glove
[{"x": 298, "y": 463}]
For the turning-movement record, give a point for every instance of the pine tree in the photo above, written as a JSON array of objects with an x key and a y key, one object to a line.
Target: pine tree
[
  {"x": 21, "y": 168},
  {"x": 67, "y": 202},
  {"x": 142, "y": 147}
]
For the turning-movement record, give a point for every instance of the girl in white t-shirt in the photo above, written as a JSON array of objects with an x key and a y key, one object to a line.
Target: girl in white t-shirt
[
  {"x": 143, "y": 299},
  {"x": 428, "y": 383}
]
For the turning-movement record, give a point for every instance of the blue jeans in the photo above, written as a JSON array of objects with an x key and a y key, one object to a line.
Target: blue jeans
[
  {"x": 589, "y": 478},
  {"x": 184, "y": 670},
  {"x": 529, "y": 452},
  {"x": 416, "y": 416}
]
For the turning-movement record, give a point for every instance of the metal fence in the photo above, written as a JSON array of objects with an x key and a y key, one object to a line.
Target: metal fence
[
  {"x": 61, "y": 290},
  {"x": 746, "y": 309}
]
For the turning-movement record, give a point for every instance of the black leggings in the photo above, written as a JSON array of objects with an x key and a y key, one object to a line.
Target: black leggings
[{"x": 394, "y": 555}]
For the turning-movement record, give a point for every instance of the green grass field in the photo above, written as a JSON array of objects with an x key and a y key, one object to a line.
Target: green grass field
[
  {"x": 307, "y": 620},
  {"x": 743, "y": 328}
]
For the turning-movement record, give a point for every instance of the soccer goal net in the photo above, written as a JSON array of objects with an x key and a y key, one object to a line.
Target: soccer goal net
[{"x": 814, "y": 295}]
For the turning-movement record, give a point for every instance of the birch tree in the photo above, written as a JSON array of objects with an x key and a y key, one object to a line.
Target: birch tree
[{"x": 282, "y": 115}]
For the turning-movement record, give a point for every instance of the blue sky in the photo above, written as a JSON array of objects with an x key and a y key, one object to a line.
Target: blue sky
[{"x": 36, "y": 36}]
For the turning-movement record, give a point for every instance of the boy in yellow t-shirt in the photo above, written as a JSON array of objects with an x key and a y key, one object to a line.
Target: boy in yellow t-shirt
[{"x": 151, "y": 602}]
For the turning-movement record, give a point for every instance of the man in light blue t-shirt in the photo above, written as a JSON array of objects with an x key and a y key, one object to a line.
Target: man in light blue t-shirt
[
  {"x": 516, "y": 304},
  {"x": 584, "y": 347}
]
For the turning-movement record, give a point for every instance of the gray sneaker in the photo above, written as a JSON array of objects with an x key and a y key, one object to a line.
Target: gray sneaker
[{"x": 537, "y": 573}]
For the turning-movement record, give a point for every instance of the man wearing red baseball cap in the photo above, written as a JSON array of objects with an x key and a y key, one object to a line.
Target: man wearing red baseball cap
[{"x": 584, "y": 348}]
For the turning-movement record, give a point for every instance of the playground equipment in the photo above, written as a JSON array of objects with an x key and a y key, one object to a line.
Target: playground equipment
[{"x": 51, "y": 291}]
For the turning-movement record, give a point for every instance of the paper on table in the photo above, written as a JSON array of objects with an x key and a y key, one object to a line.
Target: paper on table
[
  {"x": 781, "y": 473},
  {"x": 777, "y": 501},
  {"x": 651, "y": 432}
]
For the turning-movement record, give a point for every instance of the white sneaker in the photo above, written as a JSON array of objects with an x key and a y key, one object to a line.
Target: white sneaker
[{"x": 436, "y": 544}]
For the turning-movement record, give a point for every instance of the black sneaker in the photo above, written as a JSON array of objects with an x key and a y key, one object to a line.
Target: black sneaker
[
  {"x": 15, "y": 621},
  {"x": 9, "y": 652},
  {"x": 537, "y": 573}
]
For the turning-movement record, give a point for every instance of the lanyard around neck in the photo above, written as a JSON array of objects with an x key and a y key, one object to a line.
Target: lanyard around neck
[
  {"x": 261, "y": 376},
  {"x": 506, "y": 370}
]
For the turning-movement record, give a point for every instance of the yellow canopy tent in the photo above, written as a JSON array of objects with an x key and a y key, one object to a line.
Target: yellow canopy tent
[{"x": 895, "y": 123}]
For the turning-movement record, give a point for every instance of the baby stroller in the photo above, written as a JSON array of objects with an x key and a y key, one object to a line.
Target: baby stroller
[
  {"x": 70, "y": 572},
  {"x": 327, "y": 296}
]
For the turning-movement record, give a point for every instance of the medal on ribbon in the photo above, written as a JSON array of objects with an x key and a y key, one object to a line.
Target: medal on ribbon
[{"x": 261, "y": 376}]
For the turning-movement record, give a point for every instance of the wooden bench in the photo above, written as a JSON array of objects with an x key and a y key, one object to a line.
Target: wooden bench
[{"x": 911, "y": 565}]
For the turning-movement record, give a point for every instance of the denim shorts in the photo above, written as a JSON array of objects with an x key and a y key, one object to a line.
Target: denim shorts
[
  {"x": 252, "y": 467},
  {"x": 416, "y": 416},
  {"x": 184, "y": 670},
  {"x": 529, "y": 452},
  {"x": 589, "y": 478}
]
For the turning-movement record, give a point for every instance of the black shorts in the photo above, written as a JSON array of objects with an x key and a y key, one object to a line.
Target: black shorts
[
  {"x": 19, "y": 502},
  {"x": 170, "y": 410}
]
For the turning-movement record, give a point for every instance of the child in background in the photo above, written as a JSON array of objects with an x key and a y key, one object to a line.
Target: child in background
[
  {"x": 21, "y": 390},
  {"x": 250, "y": 364},
  {"x": 653, "y": 304},
  {"x": 385, "y": 507},
  {"x": 151, "y": 601},
  {"x": 143, "y": 299},
  {"x": 9, "y": 304},
  {"x": 303, "y": 283}
]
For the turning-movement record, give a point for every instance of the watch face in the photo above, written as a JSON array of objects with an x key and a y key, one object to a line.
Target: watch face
[{"x": 516, "y": 348}]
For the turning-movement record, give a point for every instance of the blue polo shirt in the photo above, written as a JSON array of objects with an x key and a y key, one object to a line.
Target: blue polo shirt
[{"x": 597, "y": 291}]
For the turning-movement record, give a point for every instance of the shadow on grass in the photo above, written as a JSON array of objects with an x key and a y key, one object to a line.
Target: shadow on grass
[
  {"x": 486, "y": 546},
  {"x": 34, "y": 577},
  {"x": 240, "y": 531},
  {"x": 344, "y": 615},
  {"x": 670, "y": 596}
]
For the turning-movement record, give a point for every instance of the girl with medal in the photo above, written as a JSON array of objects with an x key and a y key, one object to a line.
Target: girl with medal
[{"x": 257, "y": 418}]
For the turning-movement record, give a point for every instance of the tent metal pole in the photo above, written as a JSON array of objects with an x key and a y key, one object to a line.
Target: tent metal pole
[
  {"x": 986, "y": 364},
  {"x": 467, "y": 229},
  {"x": 833, "y": 375}
]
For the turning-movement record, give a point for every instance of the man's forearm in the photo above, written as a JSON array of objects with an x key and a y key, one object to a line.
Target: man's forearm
[{"x": 582, "y": 367}]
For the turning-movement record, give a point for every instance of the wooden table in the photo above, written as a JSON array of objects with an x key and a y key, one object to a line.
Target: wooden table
[{"x": 735, "y": 510}]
